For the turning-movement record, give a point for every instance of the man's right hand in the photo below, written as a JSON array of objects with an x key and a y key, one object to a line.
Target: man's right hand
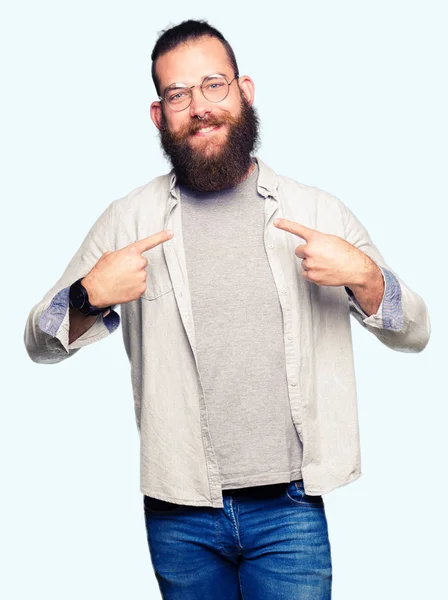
[{"x": 120, "y": 276}]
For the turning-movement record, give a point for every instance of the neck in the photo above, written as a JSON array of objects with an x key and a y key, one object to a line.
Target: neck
[{"x": 249, "y": 171}]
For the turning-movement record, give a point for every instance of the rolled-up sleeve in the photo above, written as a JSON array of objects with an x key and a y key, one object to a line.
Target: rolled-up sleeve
[
  {"x": 390, "y": 313},
  {"x": 46, "y": 334},
  {"x": 402, "y": 320}
]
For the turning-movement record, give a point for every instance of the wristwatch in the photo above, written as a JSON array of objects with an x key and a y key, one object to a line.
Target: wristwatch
[{"x": 79, "y": 298}]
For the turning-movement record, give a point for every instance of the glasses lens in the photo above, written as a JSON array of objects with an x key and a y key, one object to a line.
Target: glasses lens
[
  {"x": 178, "y": 97},
  {"x": 215, "y": 88}
]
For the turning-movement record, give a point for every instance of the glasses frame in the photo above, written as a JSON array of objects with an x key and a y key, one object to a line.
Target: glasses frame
[{"x": 229, "y": 83}]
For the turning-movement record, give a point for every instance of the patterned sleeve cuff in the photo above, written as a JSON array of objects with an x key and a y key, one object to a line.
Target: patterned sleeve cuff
[
  {"x": 52, "y": 318},
  {"x": 390, "y": 313}
]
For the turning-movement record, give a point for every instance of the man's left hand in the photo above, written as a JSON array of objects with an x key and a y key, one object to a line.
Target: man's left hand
[{"x": 329, "y": 259}]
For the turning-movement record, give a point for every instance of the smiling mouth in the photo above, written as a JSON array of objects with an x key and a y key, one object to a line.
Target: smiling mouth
[{"x": 207, "y": 130}]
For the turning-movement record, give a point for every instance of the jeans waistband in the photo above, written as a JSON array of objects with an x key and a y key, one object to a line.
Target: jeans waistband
[{"x": 258, "y": 490}]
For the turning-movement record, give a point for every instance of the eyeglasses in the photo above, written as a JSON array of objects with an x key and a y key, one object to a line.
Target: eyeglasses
[{"x": 214, "y": 88}]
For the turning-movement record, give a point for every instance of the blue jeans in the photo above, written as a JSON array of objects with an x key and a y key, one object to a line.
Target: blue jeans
[{"x": 267, "y": 542}]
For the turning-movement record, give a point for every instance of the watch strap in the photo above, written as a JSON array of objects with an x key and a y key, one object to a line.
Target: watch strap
[{"x": 79, "y": 298}]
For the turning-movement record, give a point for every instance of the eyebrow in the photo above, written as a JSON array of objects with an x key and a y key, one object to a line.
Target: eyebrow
[{"x": 214, "y": 73}]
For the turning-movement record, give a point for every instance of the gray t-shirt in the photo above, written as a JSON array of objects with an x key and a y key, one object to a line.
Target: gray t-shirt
[{"x": 239, "y": 335}]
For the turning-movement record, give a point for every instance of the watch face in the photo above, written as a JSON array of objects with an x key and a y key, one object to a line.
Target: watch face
[{"x": 76, "y": 297}]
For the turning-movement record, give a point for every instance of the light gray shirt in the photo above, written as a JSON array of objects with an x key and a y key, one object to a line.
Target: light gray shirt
[
  {"x": 239, "y": 336},
  {"x": 176, "y": 397}
]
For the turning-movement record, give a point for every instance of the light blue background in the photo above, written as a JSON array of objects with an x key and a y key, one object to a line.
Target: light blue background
[{"x": 353, "y": 98}]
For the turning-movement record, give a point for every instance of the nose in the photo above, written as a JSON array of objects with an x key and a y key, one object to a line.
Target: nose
[{"x": 199, "y": 107}]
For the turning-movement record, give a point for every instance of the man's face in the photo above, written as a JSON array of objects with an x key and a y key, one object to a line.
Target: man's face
[{"x": 213, "y": 159}]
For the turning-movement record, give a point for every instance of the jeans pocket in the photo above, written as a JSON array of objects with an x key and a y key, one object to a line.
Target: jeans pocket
[
  {"x": 295, "y": 494},
  {"x": 154, "y": 505}
]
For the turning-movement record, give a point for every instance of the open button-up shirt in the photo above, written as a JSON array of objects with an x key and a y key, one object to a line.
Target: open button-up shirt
[{"x": 177, "y": 460}]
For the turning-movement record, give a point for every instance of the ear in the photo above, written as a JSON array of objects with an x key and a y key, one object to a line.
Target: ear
[
  {"x": 247, "y": 88},
  {"x": 156, "y": 113}
]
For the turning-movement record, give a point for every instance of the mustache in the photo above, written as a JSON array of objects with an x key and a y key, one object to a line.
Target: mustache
[{"x": 209, "y": 121}]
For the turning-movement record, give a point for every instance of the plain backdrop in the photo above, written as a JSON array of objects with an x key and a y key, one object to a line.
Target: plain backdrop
[{"x": 353, "y": 99}]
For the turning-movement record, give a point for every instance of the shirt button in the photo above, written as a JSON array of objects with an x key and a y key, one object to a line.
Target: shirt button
[
  {"x": 270, "y": 245},
  {"x": 293, "y": 382},
  {"x": 283, "y": 291},
  {"x": 289, "y": 337}
]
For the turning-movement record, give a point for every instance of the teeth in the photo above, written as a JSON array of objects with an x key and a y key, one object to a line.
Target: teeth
[{"x": 206, "y": 129}]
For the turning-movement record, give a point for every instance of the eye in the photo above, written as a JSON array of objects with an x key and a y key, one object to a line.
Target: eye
[
  {"x": 177, "y": 95},
  {"x": 214, "y": 86}
]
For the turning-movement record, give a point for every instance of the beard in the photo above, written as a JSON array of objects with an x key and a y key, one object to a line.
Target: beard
[{"x": 213, "y": 165}]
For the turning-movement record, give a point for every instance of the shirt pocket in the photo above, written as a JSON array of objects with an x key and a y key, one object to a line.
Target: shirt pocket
[{"x": 158, "y": 280}]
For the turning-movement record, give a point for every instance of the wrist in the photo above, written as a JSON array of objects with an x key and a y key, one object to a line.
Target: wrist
[
  {"x": 367, "y": 273},
  {"x": 92, "y": 292},
  {"x": 370, "y": 291}
]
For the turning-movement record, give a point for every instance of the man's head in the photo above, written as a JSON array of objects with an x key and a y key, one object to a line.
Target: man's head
[{"x": 207, "y": 160}]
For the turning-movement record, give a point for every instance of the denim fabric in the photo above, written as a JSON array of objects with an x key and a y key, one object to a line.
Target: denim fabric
[{"x": 266, "y": 542}]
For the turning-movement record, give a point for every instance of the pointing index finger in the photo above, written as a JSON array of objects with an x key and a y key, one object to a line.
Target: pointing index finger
[
  {"x": 153, "y": 240},
  {"x": 295, "y": 228}
]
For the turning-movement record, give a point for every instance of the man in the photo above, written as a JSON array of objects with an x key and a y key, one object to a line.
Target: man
[{"x": 236, "y": 287}]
